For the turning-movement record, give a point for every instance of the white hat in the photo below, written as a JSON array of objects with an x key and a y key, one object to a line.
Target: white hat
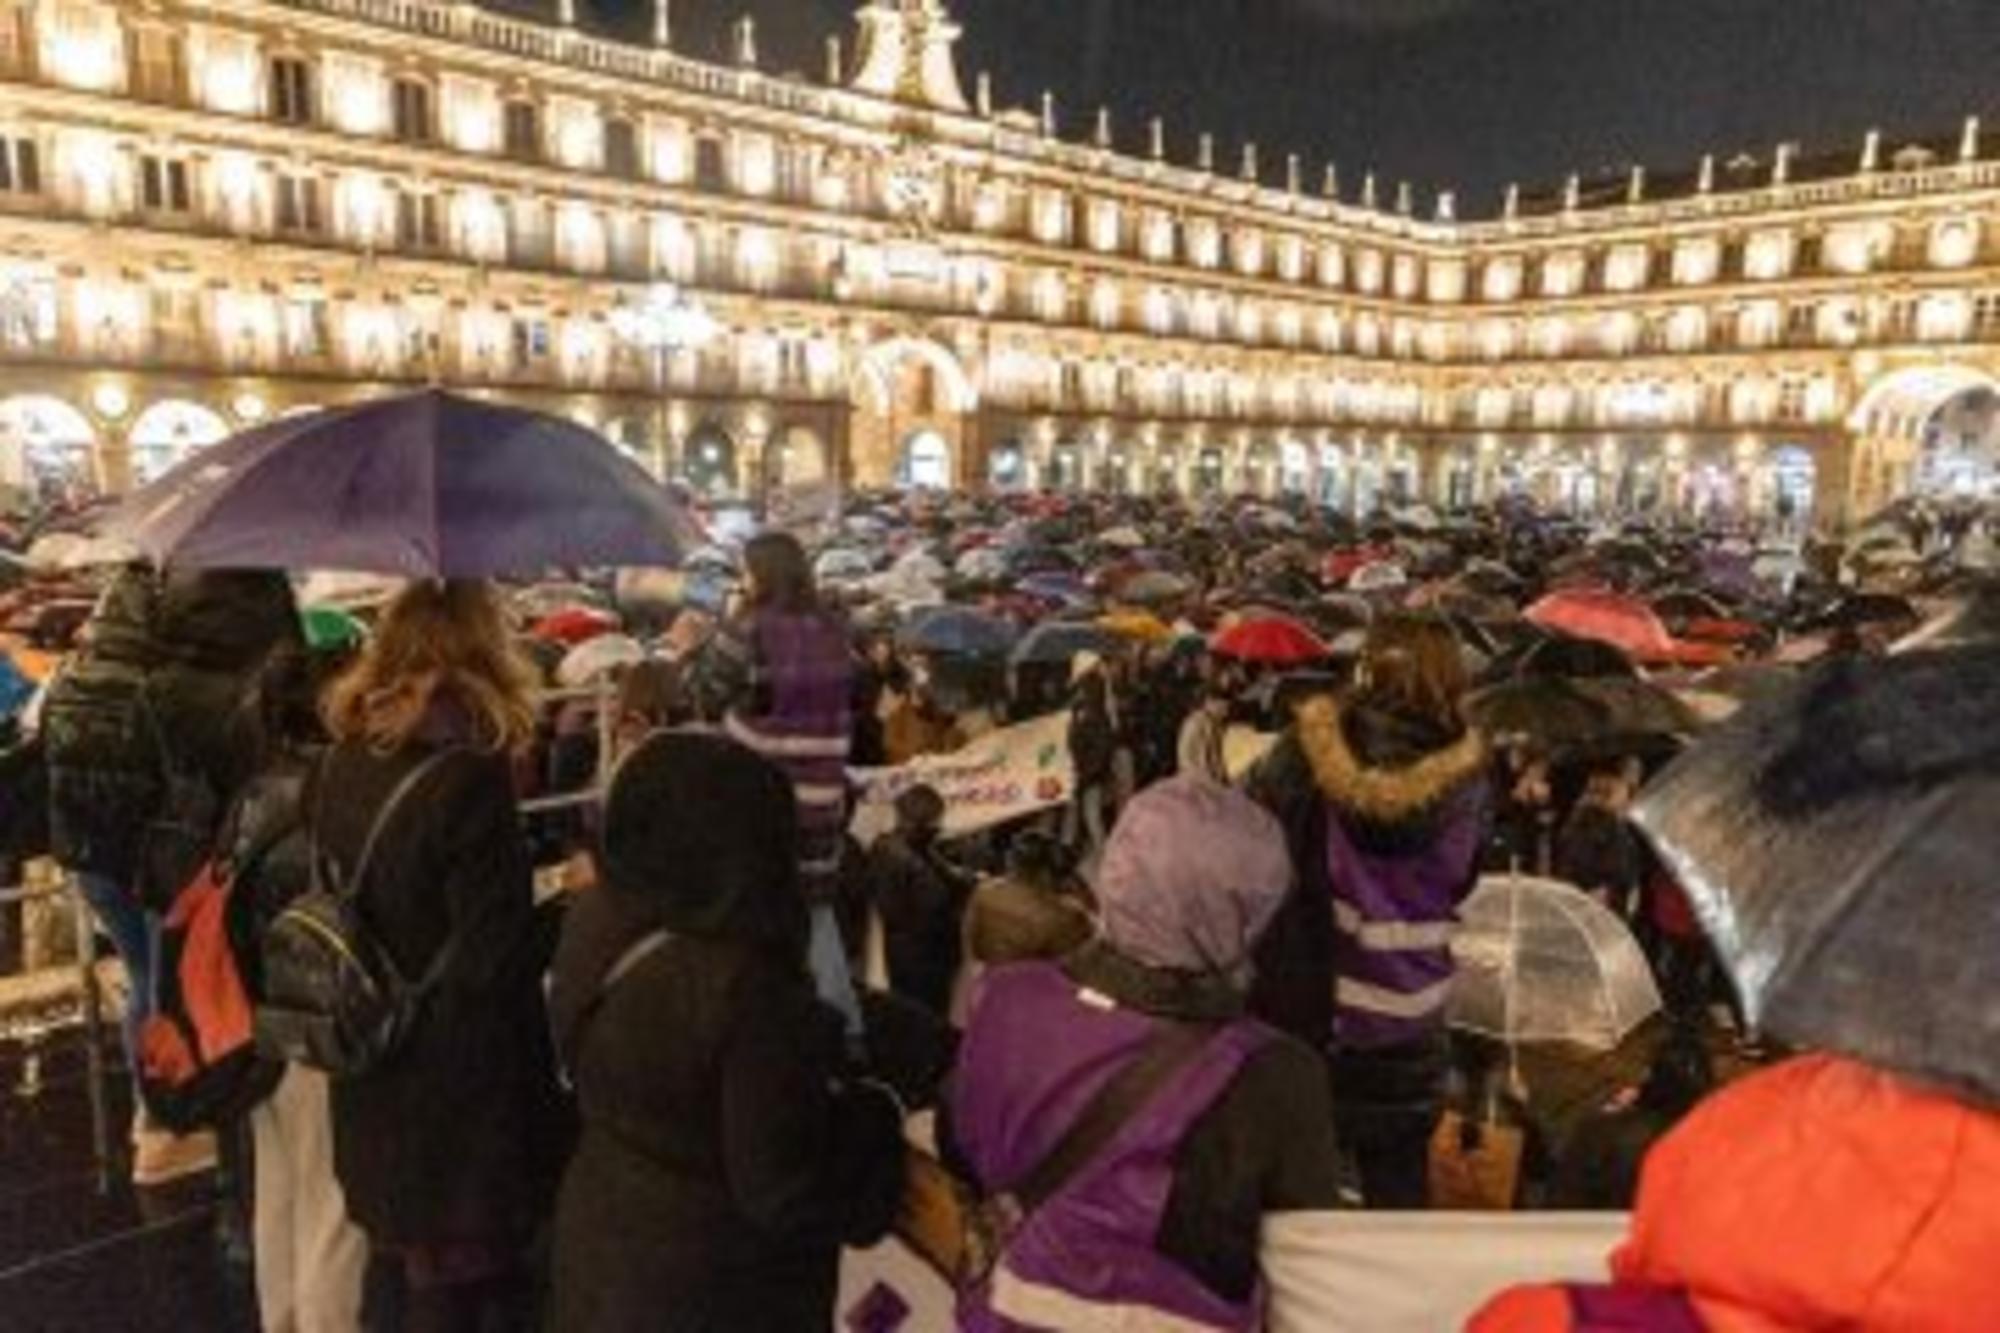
[{"x": 1083, "y": 664}]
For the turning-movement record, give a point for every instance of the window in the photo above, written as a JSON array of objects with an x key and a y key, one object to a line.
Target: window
[
  {"x": 621, "y": 149},
  {"x": 1801, "y": 322},
  {"x": 524, "y": 131},
  {"x": 413, "y": 111},
  {"x": 156, "y": 64},
  {"x": 531, "y": 342},
  {"x": 163, "y": 184},
  {"x": 298, "y": 204},
  {"x": 417, "y": 226},
  {"x": 291, "y": 90},
  {"x": 20, "y": 167},
  {"x": 1986, "y": 317},
  {"x": 710, "y": 171},
  {"x": 306, "y": 326}
]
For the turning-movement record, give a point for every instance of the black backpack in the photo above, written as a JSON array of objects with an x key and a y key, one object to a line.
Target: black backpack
[{"x": 333, "y": 997}]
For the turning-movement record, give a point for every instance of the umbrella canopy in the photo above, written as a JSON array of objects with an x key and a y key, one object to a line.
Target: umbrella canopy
[
  {"x": 1378, "y": 576},
  {"x": 957, "y": 631},
  {"x": 1542, "y": 961},
  {"x": 1545, "y": 711},
  {"x": 1055, "y": 642},
  {"x": 1140, "y": 625},
  {"x": 984, "y": 563},
  {"x": 840, "y": 565},
  {"x": 577, "y": 624},
  {"x": 421, "y": 485},
  {"x": 1839, "y": 844},
  {"x": 1067, "y": 589},
  {"x": 1125, "y": 539},
  {"x": 1639, "y": 709},
  {"x": 1626, "y": 623},
  {"x": 1871, "y": 608},
  {"x": 1272, "y": 641},
  {"x": 1154, "y": 587}
]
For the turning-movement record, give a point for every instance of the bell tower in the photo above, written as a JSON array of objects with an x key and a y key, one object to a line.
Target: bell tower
[{"x": 906, "y": 54}]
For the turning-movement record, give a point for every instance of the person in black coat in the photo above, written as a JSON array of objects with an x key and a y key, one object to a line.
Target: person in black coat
[
  {"x": 439, "y": 1151},
  {"x": 920, "y": 897},
  {"x": 724, "y": 1160}
]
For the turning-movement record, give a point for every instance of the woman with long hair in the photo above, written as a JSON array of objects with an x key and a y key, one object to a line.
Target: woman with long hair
[
  {"x": 435, "y": 1149},
  {"x": 1384, "y": 797},
  {"x": 796, "y": 714}
]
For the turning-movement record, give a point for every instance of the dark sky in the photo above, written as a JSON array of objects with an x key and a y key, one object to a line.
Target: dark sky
[{"x": 1465, "y": 93}]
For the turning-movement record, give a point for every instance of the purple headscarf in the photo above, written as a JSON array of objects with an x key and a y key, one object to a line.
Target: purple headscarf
[{"x": 1192, "y": 875}]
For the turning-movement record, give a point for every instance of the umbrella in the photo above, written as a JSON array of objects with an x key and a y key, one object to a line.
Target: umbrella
[
  {"x": 603, "y": 656},
  {"x": 1065, "y": 588},
  {"x": 1839, "y": 844},
  {"x": 1128, "y": 538},
  {"x": 1626, "y": 623},
  {"x": 841, "y": 566},
  {"x": 1539, "y": 960},
  {"x": 1546, "y": 711},
  {"x": 957, "y": 631},
  {"x": 1055, "y": 642},
  {"x": 919, "y": 565},
  {"x": 545, "y": 599},
  {"x": 1378, "y": 576},
  {"x": 1636, "y": 709},
  {"x": 1973, "y": 620},
  {"x": 1272, "y": 641},
  {"x": 1870, "y": 608},
  {"x": 1140, "y": 625},
  {"x": 330, "y": 629},
  {"x": 349, "y": 592},
  {"x": 985, "y": 564},
  {"x": 1154, "y": 587},
  {"x": 577, "y": 624},
  {"x": 425, "y": 484}
]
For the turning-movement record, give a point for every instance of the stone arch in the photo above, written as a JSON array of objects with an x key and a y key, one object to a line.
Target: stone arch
[
  {"x": 900, "y": 386},
  {"x": 709, "y": 464},
  {"x": 1913, "y": 395},
  {"x": 170, "y": 432},
  {"x": 1899, "y": 422},
  {"x": 874, "y": 373},
  {"x": 46, "y": 441}
]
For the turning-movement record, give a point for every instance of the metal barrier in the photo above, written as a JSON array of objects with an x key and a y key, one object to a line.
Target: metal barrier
[{"x": 90, "y": 1001}]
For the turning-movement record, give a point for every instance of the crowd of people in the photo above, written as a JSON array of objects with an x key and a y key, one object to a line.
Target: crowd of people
[{"x": 652, "y": 1057}]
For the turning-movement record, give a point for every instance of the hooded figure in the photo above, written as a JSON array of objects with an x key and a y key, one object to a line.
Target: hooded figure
[
  {"x": 1385, "y": 804},
  {"x": 1820, "y": 1194},
  {"x": 1162, "y": 1224},
  {"x": 723, "y": 1163}
]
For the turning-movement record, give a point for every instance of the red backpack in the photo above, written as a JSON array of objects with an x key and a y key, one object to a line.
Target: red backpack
[{"x": 199, "y": 1066}]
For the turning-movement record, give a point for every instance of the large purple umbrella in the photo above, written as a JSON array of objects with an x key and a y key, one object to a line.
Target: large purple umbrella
[{"x": 422, "y": 485}]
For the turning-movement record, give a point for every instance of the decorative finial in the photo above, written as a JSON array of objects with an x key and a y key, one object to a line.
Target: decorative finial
[
  {"x": 1048, "y": 115},
  {"x": 1968, "y": 140},
  {"x": 663, "y": 23},
  {"x": 746, "y": 41},
  {"x": 1635, "y": 188},
  {"x": 1871, "y": 151},
  {"x": 1511, "y": 208},
  {"x": 566, "y": 13},
  {"x": 982, "y": 94},
  {"x": 1102, "y": 136},
  {"x": 1368, "y": 190},
  {"x": 1706, "y": 184},
  {"x": 1781, "y": 165},
  {"x": 1447, "y": 206},
  {"x": 1294, "y": 172},
  {"x": 1156, "y": 138},
  {"x": 836, "y": 61},
  {"x": 1205, "y": 152},
  {"x": 1330, "y": 187},
  {"x": 1572, "y": 193},
  {"x": 1406, "y": 199},
  {"x": 1249, "y": 162}
]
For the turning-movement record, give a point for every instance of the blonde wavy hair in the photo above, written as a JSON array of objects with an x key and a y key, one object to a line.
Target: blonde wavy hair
[{"x": 436, "y": 642}]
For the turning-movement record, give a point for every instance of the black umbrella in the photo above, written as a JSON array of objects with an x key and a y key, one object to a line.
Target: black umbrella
[
  {"x": 1543, "y": 711},
  {"x": 1870, "y": 608},
  {"x": 1840, "y": 844},
  {"x": 1638, "y": 709},
  {"x": 1575, "y": 659}
]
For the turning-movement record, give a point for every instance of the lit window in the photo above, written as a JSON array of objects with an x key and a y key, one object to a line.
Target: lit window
[{"x": 417, "y": 225}]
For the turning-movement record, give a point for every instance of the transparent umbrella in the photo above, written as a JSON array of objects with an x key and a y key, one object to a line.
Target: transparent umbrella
[{"x": 1542, "y": 961}]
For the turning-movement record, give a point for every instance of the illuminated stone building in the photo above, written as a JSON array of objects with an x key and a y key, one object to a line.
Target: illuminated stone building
[{"x": 213, "y": 211}]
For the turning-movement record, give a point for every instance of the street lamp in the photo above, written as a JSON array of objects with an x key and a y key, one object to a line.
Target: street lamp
[{"x": 664, "y": 321}]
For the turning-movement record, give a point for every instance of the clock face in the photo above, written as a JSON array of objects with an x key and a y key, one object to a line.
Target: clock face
[{"x": 913, "y": 186}]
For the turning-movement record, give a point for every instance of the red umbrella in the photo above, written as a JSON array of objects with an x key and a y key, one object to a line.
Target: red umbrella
[
  {"x": 1626, "y": 623},
  {"x": 1339, "y": 566},
  {"x": 577, "y": 624},
  {"x": 1272, "y": 641}
]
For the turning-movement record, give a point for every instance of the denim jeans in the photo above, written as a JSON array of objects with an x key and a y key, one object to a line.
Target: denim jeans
[
  {"x": 834, "y": 978},
  {"x": 135, "y": 936}
]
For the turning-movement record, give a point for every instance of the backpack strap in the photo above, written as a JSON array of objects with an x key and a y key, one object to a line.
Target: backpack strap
[
  {"x": 628, "y": 962},
  {"x": 1171, "y": 1047}
]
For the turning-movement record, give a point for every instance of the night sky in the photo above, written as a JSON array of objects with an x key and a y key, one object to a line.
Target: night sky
[{"x": 1464, "y": 93}]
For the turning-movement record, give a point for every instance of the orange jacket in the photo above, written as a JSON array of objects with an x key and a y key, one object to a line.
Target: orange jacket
[{"x": 1817, "y": 1197}]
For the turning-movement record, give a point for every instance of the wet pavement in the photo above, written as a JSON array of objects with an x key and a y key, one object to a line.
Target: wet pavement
[{"x": 82, "y": 1251}]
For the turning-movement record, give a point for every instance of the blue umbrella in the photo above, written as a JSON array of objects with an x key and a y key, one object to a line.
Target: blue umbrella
[
  {"x": 1055, "y": 642},
  {"x": 1065, "y": 588},
  {"x": 420, "y": 485},
  {"x": 957, "y": 631}
]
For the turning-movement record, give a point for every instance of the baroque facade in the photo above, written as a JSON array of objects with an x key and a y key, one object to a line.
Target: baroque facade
[{"x": 215, "y": 211}]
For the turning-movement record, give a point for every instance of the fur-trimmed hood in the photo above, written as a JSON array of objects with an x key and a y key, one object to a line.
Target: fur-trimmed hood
[{"x": 1385, "y": 771}]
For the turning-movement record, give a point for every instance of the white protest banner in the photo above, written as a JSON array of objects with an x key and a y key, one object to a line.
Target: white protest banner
[{"x": 1002, "y": 776}]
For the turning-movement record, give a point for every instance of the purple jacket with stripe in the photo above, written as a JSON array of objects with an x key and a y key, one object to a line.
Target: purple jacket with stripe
[
  {"x": 1407, "y": 813},
  {"x": 798, "y": 717}
]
